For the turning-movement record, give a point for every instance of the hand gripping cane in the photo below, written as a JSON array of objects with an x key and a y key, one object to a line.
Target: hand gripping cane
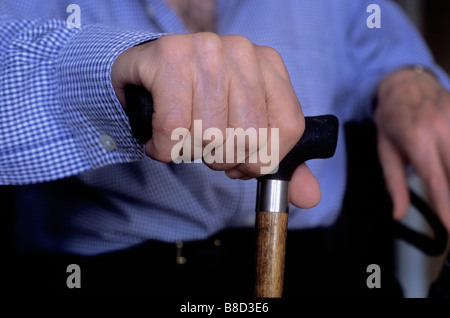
[{"x": 272, "y": 203}]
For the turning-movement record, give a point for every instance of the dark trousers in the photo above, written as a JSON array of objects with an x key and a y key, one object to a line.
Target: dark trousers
[{"x": 221, "y": 267}]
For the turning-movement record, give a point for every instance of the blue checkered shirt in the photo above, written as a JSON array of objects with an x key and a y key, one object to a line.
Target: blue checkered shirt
[{"x": 82, "y": 182}]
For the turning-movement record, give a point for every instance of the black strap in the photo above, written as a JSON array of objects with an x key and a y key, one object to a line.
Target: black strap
[{"x": 429, "y": 245}]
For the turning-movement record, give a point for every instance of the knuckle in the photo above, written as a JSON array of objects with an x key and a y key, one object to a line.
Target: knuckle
[
  {"x": 240, "y": 43},
  {"x": 271, "y": 54},
  {"x": 274, "y": 61},
  {"x": 208, "y": 44},
  {"x": 175, "y": 48}
]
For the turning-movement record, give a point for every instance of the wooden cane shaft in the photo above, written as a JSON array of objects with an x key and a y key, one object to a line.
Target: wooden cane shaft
[{"x": 270, "y": 253}]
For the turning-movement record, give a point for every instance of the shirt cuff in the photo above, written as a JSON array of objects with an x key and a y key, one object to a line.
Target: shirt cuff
[{"x": 97, "y": 121}]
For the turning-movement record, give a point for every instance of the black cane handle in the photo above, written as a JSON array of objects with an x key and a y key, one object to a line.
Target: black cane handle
[
  {"x": 318, "y": 141},
  {"x": 139, "y": 108}
]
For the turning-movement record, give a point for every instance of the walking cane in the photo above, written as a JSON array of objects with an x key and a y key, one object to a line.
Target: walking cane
[{"x": 272, "y": 204}]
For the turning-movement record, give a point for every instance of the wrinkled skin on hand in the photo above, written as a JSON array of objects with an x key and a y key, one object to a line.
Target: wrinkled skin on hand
[
  {"x": 224, "y": 81},
  {"x": 413, "y": 122}
]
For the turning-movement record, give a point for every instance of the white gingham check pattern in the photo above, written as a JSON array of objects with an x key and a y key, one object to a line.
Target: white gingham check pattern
[{"x": 57, "y": 100}]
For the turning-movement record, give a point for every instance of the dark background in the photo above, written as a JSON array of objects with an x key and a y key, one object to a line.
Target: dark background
[
  {"x": 432, "y": 18},
  {"x": 437, "y": 30}
]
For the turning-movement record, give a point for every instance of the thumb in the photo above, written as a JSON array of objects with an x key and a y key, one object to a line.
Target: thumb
[
  {"x": 304, "y": 189},
  {"x": 395, "y": 177}
]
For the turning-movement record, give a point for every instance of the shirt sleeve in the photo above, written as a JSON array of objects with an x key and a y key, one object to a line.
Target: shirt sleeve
[
  {"x": 59, "y": 115},
  {"x": 379, "y": 51}
]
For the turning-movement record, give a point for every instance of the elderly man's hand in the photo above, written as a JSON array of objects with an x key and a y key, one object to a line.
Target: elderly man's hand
[
  {"x": 224, "y": 81},
  {"x": 413, "y": 121}
]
